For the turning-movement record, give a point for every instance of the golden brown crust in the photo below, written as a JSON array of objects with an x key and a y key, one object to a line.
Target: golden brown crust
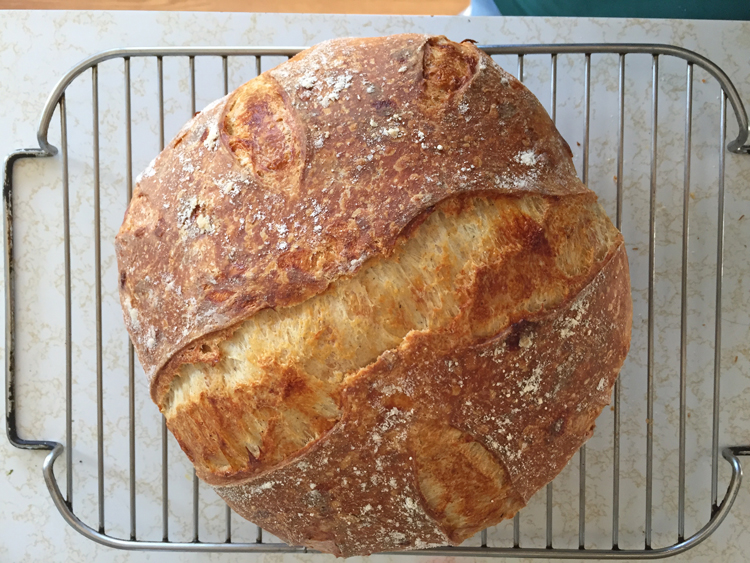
[
  {"x": 529, "y": 396},
  {"x": 299, "y": 181},
  {"x": 198, "y": 251},
  {"x": 478, "y": 264}
]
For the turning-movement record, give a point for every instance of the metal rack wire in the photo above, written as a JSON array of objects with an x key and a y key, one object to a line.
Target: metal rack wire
[{"x": 97, "y": 532}]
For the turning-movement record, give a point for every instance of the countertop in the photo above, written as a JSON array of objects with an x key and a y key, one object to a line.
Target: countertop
[{"x": 36, "y": 49}]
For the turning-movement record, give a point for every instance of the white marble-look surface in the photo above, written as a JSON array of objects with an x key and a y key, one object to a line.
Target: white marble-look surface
[{"x": 36, "y": 48}]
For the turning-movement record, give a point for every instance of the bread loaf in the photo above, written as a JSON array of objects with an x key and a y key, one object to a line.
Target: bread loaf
[{"x": 377, "y": 307}]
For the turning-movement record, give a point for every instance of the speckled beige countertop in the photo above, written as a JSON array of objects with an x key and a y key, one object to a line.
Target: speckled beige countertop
[{"x": 36, "y": 49}]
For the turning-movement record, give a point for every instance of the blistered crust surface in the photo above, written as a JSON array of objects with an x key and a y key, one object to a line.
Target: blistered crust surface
[
  {"x": 357, "y": 138},
  {"x": 474, "y": 266},
  {"x": 529, "y": 397}
]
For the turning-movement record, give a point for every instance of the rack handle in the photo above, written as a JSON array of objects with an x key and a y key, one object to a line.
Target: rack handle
[
  {"x": 740, "y": 145},
  {"x": 10, "y": 321}
]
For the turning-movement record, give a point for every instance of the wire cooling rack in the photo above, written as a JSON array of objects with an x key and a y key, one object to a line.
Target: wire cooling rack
[{"x": 640, "y": 505}]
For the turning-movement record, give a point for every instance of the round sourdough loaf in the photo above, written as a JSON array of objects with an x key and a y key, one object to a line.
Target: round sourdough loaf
[{"x": 377, "y": 307}]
